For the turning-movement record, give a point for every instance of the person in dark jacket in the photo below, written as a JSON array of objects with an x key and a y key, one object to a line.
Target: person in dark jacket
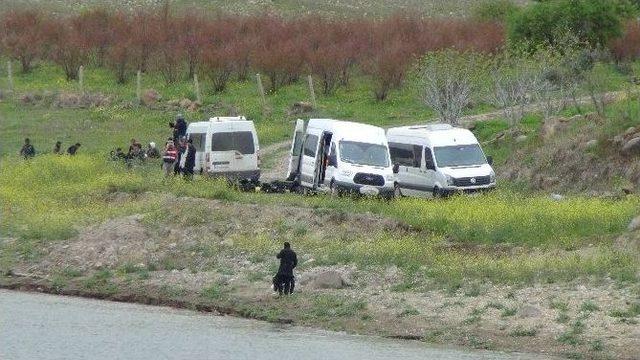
[
  {"x": 73, "y": 149},
  {"x": 190, "y": 160},
  {"x": 180, "y": 127},
  {"x": 27, "y": 151},
  {"x": 284, "y": 281},
  {"x": 57, "y": 149}
]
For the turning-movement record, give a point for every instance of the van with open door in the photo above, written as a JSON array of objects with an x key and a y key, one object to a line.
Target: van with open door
[
  {"x": 340, "y": 156},
  {"x": 226, "y": 147},
  {"x": 437, "y": 160}
]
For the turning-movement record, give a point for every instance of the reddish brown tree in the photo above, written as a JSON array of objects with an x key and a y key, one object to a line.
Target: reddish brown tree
[
  {"x": 144, "y": 38},
  {"x": 23, "y": 36},
  {"x": 98, "y": 29},
  {"x": 120, "y": 54},
  {"x": 69, "y": 48},
  {"x": 194, "y": 35},
  {"x": 218, "y": 66},
  {"x": 628, "y": 46}
]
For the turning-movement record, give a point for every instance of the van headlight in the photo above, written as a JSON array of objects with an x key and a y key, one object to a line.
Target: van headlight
[
  {"x": 492, "y": 177},
  {"x": 450, "y": 180}
]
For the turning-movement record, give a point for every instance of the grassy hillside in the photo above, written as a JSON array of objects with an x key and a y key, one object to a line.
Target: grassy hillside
[{"x": 341, "y": 8}]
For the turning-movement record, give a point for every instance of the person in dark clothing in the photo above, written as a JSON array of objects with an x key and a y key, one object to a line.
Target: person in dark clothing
[
  {"x": 57, "y": 149},
  {"x": 27, "y": 151},
  {"x": 181, "y": 147},
  {"x": 73, "y": 149},
  {"x": 284, "y": 281},
  {"x": 190, "y": 160},
  {"x": 179, "y": 128}
]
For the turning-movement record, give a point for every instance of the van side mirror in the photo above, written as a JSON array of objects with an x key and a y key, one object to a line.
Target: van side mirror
[
  {"x": 490, "y": 160},
  {"x": 396, "y": 168}
]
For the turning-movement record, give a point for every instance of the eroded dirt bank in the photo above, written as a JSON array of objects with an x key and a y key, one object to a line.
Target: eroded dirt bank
[{"x": 217, "y": 256}]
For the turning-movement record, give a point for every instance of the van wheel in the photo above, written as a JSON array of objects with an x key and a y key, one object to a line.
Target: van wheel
[
  {"x": 305, "y": 191},
  {"x": 397, "y": 192},
  {"x": 437, "y": 193}
]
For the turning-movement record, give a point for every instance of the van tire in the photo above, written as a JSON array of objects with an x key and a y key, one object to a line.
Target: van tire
[
  {"x": 437, "y": 193},
  {"x": 397, "y": 192}
]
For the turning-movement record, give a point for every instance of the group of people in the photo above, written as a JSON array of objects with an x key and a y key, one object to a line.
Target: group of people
[
  {"x": 28, "y": 151},
  {"x": 136, "y": 152},
  {"x": 179, "y": 156}
]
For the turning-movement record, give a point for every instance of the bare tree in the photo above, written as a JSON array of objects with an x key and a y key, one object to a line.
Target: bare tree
[{"x": 448, "y": 83}]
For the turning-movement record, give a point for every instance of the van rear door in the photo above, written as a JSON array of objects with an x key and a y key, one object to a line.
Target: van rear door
[
  {"x": 296, "y": 151},
  {"x": 233, "y": 151}
]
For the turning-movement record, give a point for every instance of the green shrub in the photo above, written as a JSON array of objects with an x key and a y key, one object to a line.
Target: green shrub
[{"x": 592, "y": 21}]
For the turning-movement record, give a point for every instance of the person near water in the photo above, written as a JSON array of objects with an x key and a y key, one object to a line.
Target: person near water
[
  {"x": 169, "y": 158},
  {"x": 152, "y": 151},
  {"x": 57, "y": 148},
  {"x": 73, "y": 149},
  {"x": 189, "y": 160},
  {"x": 284, "y": 281},
  {"x": 27, "y": 151}
]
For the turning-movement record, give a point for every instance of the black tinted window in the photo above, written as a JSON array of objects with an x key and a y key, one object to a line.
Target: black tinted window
[
  {"x": 406, "y": 154},
  {"x": 241, "y": 141},
  {"x": 310, "y": 145},
  {"x": 197, "y": 141}
]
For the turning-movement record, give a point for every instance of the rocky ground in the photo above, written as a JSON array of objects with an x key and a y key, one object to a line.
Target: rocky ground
[{"x": 220, "y": 256}]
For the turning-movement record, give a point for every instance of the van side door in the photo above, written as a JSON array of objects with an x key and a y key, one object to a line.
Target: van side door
[
  {"x": 430, "y": 174},
  {"x": 198, "y": 140},
  {"x": 404, "y": 155},
  {"x": 308, "y": 165},
  {"x": 295, "y": 154}
]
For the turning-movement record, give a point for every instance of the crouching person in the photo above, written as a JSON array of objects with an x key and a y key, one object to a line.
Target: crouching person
[{"x": 284, "y": 281}]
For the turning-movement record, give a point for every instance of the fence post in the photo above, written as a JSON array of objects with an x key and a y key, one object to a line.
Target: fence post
[
  {"x": 81, "y": 78},
  {"x": 139, "y": 87},
  {"x": 196, "y": 84},
  {"x": 261, "y": 90},
  {"x": 10, "y": 75},
  {"x": 312, "y": 92}
]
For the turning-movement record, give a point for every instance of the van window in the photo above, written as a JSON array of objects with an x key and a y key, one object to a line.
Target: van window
[
  {"x": 459, "y": 155},
  {"x": 428, "y": 158},
  {"x": 406, "y": 154},
  {"x": 310, "y": 145},
  {"x": 241, "y": 141},
  {"x": 198, "y": 140}
]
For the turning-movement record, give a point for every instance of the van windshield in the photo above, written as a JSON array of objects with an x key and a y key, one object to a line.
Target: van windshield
[
  {"x": 364, "y": 153},
  {"x": 459, "y": 155}
]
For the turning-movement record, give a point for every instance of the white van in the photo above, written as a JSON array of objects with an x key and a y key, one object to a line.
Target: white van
[
  {"x": 226, "y": 147},
  {"x": 437, "y": 160},
  {"x": 341, "y": 156}
]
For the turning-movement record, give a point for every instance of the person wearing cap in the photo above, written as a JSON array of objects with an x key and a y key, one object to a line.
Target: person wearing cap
[
  {"x": 152, "y": 151},
  {"x": 27, "y": 151}
]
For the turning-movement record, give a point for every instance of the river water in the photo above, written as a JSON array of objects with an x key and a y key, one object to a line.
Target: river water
[{"x": 39, "y": 326}]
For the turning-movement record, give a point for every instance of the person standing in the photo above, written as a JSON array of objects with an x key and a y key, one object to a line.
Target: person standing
[
  {"x": 181, "y": 147},
  {"x": 27, "y": 151},
  {"x": 73, "y": 149},
  {"x": 57, "y": 149},
  {"x": 189, "y": 160},
  {"x": 284, "y": 281},
  {"x": 169, "y": 158},
  {"x": 179, "y": 128}
]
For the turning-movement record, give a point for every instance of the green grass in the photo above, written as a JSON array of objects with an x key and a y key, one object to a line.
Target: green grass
[{"x": 56, "y": 195}]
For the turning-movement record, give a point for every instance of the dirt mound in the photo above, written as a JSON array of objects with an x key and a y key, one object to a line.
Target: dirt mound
[{"x": 116, "y": 241}]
